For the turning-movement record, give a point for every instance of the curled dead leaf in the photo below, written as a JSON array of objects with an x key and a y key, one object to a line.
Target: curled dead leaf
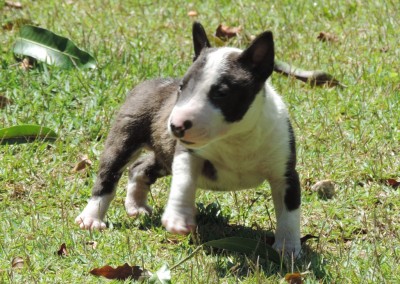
[
  {"x": 393, "y": 183},
  {"x": 325, "y": 189},
  {"x": 226, "y": 32},
  {"x": 384, "y": 49},
  {"x": 7, "y": 26},
  {"x": 321, "y": 78},
  {"x": 4, "y": 101},
  {"x": 82, "y": 164},
  {"x": 17, "y": 262},
  {"x": 325, "y": 36},
  {"x": 294, "y": 278},
  {"x": 12, "y": 4},
  {"x": 63, "y": 250},
  {"x": 120, "y": 273},
  {"x": 312, "y": 77},
  {"x": 27, "y": 63},
  {"x": 18, "y": 191}
]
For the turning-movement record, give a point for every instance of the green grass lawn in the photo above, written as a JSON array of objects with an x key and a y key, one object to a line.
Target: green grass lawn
[{"x": 348, "y": 135}]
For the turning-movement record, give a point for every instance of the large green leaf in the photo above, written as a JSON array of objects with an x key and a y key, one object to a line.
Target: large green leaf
[
  {"x": 48, "y": 47},
  {"x": 25, "y": 133},
  {"x": 247, "y": 246}
]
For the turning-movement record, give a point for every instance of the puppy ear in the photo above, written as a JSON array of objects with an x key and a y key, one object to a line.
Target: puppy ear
[
  {"x": 259, "y": 56},
  {"x": 200, "y": 39}
]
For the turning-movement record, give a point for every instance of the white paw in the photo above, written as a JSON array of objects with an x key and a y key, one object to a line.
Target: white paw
[
  {"x": 179, "y": 220},
  {"x": 89, "y": 222},
  {"x": 133, "y": 209},
  {"x": 287, "y": 235},
  {"x": 93, "y": 215},
  {"x": 288, "y": 248}
]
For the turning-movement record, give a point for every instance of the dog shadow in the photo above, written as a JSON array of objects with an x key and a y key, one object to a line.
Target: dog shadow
[{"x": 213, "y": 225}]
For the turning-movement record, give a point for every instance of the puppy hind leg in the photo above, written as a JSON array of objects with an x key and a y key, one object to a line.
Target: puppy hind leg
[
  {"x": 121, "y": 148},
  {"x": 142, "y": 174}
]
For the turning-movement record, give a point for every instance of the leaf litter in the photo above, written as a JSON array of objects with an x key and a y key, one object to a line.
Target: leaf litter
[
  {"x": 4, "y": 101},
  {"x": 83, "y": 163},
  {"x": 63, "y": 250},
  {"x": 327, "y": 37},
  {"x": 122, "y": 272},
  {"x": 226, "y": 32},
  {"x": 294, "y": 278},
  {"x": 312, "y": 77},
  {"x": 17, "y": 262},
  {"x": 393, "y": 183}
]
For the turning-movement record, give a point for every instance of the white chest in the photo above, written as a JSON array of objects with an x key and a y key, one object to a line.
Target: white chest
[
  {"x": 242, "y": 162},
  {"x": 254, "y": 149}
]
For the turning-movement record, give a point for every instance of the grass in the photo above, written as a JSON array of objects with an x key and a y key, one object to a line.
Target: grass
[{"x": 349, "y": 135}]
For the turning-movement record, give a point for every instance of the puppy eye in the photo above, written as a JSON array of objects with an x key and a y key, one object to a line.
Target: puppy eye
[{"x": 218, "y": 94}]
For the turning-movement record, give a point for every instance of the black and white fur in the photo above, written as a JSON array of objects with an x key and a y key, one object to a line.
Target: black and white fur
[{"x": 221, "y": 127}]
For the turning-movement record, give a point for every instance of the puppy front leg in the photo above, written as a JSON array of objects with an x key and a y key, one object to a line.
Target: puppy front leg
[
  {"x": 179, "y": 214},
  {"x": 286, "y": 198}
]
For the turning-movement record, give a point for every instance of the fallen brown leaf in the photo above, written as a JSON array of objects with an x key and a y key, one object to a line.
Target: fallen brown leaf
[
  {"x": 384, "y": 49},
  {"x": 312, "y": 77},
  {"x": 12, "y": 4},
  {"x": 82, "y": 164},
  {"x": 325, "y": 36},
  {"x": 7, "y": 26},
  {"x": 18, "y": 191},
  {"x": 393, "y": 183},
  {"x": 120, "y": 273},
  {"x": 17, "y": 262},
  {"x": 325, "y": 189},
  {"x": 26, "y": 64},
  {"x": 4, "y": 101},
  {"x": 63, "y": 250},
  {"x": 294, "y": 278},
  {"x": 225, "y": 32}
]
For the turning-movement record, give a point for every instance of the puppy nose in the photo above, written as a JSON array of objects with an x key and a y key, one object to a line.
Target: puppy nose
[{"x": 179, "y": 130}]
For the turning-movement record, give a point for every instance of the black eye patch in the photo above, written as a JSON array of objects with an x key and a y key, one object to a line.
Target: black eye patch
[
  {"x": 219, "y": 92},
  {"x": 232, "y": 96}
]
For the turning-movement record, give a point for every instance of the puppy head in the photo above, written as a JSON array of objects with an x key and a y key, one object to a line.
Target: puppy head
[{"x": 219, "y": 88}]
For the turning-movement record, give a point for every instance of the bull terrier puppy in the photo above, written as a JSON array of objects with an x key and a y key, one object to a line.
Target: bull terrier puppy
[{"x": 220, "y": 127}]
